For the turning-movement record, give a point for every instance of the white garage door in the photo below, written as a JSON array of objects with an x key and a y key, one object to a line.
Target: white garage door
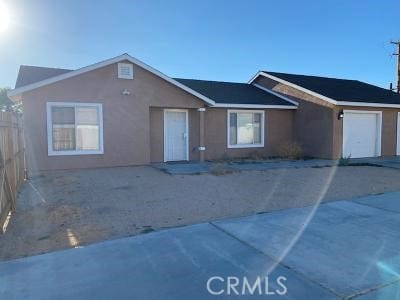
[{"x": 361, "y": 134}]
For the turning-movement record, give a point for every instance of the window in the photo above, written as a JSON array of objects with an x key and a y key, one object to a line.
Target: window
[
  {"x": 125, "y": 71},
  {"x": 74, "y": 128},
  {"x": 245, "y": 128}
]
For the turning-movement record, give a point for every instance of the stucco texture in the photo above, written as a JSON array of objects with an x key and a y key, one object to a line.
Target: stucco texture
[
  {"x": 318, "y": 129},
  {"x": 312, "y": 122},
  {"x": 278, "y": 125},
  {"x": 126, "y": 119},
  {"x": 133, "y": 130}
]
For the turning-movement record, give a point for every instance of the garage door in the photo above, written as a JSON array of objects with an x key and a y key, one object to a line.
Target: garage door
[{"x": 361, "y": 134}]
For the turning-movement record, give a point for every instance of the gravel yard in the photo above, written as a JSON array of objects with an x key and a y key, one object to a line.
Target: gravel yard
[{"x": 58, "y": 210}]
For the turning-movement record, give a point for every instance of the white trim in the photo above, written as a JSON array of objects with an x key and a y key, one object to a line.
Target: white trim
[
  {"x": 327, "y": 99},
  {"x": 50, "y": 151},
  {"x": 104, "y": 63},
  {"x": 261, "y": 145},
  {"x": 322, "y": 97},
  {"x": 254, "y": 77},
  {"x": 275, "y": 94},
  {"x": 166, "y": 131},
  {"x": 259, "y": 106},
  {"x": 379, "y": 135},
  {"x": 125, "y": 65},
  {"x": 365, "y": 104},
  {"x": 398, "y": 134}
]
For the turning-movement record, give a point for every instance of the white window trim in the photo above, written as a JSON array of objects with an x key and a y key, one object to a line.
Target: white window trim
[
  {"x": 128, "y": 65},
  {"x": 261, "y": 145},
  {"x": 50, "y": 150},
  {"x": 378, "y": 142}
]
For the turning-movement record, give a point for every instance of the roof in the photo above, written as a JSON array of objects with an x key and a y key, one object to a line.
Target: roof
[
  {"x": 16, "y": 93},
  {"x": 32, "y": 74},
  {"x": 214, "y": 93},
  {"x": 345, "y": 90},
  {"x": 233, "y": 92}
]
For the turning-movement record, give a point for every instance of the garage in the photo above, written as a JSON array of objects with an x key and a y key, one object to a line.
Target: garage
[{"x": 362, "y": 133}]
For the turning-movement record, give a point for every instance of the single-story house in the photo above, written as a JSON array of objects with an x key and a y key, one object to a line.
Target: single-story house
[{"x": 122, "y": 112}]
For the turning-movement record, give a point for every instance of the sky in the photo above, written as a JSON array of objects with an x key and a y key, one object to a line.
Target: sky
[{"x": 213, "y": 40}]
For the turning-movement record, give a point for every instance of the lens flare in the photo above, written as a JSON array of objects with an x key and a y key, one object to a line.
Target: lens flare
[{"x": 4, "y": 17}]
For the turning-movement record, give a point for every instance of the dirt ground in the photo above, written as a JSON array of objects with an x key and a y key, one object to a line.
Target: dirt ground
[{"x": 63, "y": 209}]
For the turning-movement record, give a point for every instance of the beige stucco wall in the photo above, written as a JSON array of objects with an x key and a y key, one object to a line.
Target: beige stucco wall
[
  {"x": 126, "y": 119},
  {"x": 318, "y": 129},
  {"x": 277, "y": 130},
  {"x": 312, "y": 122},
  {"x": 133, "y": 130}
]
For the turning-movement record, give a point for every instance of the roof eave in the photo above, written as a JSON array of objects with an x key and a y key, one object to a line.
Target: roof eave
[
  {"x": 367, "y": 104},
  {"x": 254, "y": 106},
  {"x": 104, "y": 63},
  {"x": 322, "y": 97},
  {"x": 288, "y": 83}
]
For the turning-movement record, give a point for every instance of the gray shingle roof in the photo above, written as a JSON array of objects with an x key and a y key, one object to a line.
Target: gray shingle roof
[
  {"x": 233, "y": 92},
  {"x": 31, "y": 74},
  {"x": 341, "y": 89},
  {"x": 220, "y": 92}
]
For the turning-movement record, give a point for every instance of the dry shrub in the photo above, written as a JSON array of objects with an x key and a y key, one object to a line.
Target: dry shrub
[
  {"x": 225, "y": 157},
  {"x": 255, "y": 155},
  {"x": 219, "y": 169},
  {"x": 291, "y": 150}
]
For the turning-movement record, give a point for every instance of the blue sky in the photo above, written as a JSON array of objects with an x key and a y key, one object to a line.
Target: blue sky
[{"x": 216, "y": 40}]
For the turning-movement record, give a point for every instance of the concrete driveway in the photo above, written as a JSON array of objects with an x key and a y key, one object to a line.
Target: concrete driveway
[{"x": 337, "y": 250}]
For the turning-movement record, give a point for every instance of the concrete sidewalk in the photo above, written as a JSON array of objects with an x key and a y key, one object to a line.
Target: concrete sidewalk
[
  {"x": 346, "y": 249},
  {"x": 194, "y": 168}
]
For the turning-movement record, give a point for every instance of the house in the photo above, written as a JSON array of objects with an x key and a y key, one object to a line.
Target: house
[{"x": 122, "y": 112}]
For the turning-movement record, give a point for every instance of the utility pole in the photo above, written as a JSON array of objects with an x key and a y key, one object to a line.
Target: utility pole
[{"x": 397, "y": 43}]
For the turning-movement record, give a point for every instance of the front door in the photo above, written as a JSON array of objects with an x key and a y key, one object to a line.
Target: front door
[{"x": 176, "y": 135}]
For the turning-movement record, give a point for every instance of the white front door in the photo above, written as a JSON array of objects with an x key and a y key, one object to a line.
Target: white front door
[
  {"x": 176, "y": 135},
  {"x": 361, "y": 134}
]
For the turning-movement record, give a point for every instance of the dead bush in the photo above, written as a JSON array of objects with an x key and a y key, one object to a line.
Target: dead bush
[
  {"x": 255, "y": 155},
  {"x": 291, "y": 150},
  {"x": 219, "y": 169}
]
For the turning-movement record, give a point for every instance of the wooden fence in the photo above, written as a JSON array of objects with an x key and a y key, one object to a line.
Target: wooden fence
[{"x": 12, "y": 162}]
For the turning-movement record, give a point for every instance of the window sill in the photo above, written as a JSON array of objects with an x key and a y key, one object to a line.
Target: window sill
[
  {"x": 246, "y": 146},
  {"x": 67, "y": 153}
]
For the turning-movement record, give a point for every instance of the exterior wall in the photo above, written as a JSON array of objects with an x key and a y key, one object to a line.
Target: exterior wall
[
  {"x": 126, "y": 119},
  {"x": 313, "y": 126},
  {"x": 389, "y": 129},
  {"x": 278, "y": 125},
  {"x": 157, "y": 134},
  {"x": 316, "y": 124}
]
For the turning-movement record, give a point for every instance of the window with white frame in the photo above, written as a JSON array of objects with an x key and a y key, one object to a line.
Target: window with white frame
[
  {"x": 245, "y": 129},
  {"x": 125, "y": 71},
  {"x": 74, "y": 128}
]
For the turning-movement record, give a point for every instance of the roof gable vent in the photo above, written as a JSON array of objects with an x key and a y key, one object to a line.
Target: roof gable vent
[{"x": 125, "y": 71}]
